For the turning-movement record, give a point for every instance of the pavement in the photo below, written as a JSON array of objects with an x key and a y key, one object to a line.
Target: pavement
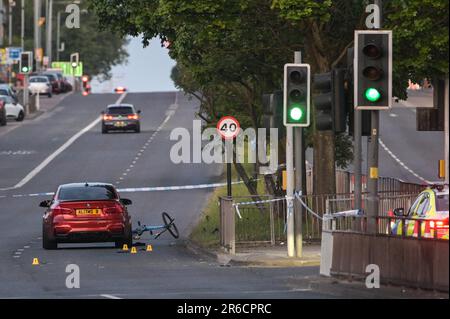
[
  {"x": 65, "y": 145},
  {"x": 269, "y": 256}
]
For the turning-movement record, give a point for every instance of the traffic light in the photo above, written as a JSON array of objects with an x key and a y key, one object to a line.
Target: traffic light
[
  {"x": 366, "y": 116},
  {"x": 26, "y": 62},
  {"x": 373, "y": 70},
  {"x": 296, "y": 105},
  {"x": 273, "y": 112},
  {"x": 86, "y": 85},
  {"x": 74, "y": 59},
  {"x": 331, "y": 103}
]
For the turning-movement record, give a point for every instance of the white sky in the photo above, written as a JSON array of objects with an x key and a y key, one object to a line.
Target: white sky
[{"x": 148, "y": 70}]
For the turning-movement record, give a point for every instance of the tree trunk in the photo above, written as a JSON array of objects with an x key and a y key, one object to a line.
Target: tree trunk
[{"x": 324, "y": 163}]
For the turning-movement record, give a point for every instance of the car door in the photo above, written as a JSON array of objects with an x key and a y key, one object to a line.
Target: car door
[{"x": 420, "y": 212}]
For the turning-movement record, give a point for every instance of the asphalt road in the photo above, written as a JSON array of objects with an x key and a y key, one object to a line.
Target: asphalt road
[{"x": 127, "y": 160}]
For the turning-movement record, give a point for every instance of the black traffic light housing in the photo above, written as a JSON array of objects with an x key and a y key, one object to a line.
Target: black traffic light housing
[
  {"x": 86, "y": 85},
  {"x": 373, "y": 70},
  {"x": 331, "y": 102},
  {"x": 74, "y": 60},
  {"x": 296, "y": 100},
  {"x": 366, "y": 116},
  {"x": 26, "y": 62},
  {"x": 273, "y": 112}
]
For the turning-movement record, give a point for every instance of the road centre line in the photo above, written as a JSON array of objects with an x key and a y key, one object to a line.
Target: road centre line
[
  {"x": 395, "y": 158},
  {"x": 61, "y": 149}
]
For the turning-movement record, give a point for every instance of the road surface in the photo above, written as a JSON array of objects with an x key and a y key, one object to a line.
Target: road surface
[{"x": 128, "y": 160}]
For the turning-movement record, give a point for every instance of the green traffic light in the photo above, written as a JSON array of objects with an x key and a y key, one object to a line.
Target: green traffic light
[
  {"x": 372, "y": 95},
  {"x": 296, "y": 113},
  {"x": 24, "y": 69}
]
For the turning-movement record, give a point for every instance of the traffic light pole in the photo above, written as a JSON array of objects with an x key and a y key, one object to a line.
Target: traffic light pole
[
  {"x": 290, "y": 191},
  {"x": 372, "y": 154},
  {"x": 26, "y": 97},
  {"x": 300, "y": 179}
]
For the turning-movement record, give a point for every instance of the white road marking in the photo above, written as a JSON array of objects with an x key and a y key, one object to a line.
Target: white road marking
[
  {"x": 110, "y": 296},
  {"x": 401, "y": 163},
  {"x": 61, "y": 149},
  {"x": 169, "y": 113}
]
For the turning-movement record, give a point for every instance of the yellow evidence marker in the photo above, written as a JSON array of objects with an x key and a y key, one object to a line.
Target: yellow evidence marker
[
  {"x": 35, "y": 261},
  {"x": 133, "y": 250},
  {"x": 125, "y": 247},
  {"x": 149, "y": 248}
]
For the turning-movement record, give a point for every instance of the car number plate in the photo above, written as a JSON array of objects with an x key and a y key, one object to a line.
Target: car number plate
[
  {"x": 88, "y": 211},
  {"x": 119, "y": 124}
]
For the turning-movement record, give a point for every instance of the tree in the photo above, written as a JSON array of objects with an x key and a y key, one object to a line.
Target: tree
[{"x": 230, "y": 52}]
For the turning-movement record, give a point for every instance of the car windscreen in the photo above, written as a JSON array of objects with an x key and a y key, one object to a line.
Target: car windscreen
[
  {"x": 442, "y": 203},
  {"x": 92, "y": 192},
  {"x": 51, "y": 77},
  {"x": 5, "y": 98},
  {"x": 4, "y": 92},
  {"x": 38, "y": 80},
  {"x": 120, "y": 110}
]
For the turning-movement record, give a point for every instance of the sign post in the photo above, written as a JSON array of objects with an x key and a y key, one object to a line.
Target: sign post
[{"x": 228, "y": 127}]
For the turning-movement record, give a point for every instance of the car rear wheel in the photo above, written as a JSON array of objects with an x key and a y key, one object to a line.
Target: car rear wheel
[
  {"x": 49, "y": 94},
  {"x": 20, "y": 117},
  {"x": 127, "y": 240},
  {"x": 138, "y": 129},
  {"x": 104, "y": 130},
  {"x": 2, "y": 121},
  {"x": 47, "y": 243}
]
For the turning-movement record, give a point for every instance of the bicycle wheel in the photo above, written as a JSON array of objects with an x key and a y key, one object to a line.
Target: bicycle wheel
[{"x": 168, "y": 221}]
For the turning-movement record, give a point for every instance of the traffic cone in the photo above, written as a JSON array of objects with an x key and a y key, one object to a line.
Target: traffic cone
[
  {"x": 35, "y": 261},
  {"x": 133, "y": 250},
  {"x": 125, "y": 247},
  {"x": 149, "y": 248}
]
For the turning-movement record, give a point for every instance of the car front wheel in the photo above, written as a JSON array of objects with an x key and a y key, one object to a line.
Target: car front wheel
[{"x": 20, "y": 117}]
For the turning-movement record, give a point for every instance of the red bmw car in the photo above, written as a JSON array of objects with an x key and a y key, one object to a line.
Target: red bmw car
[{"x": 86, "y": 213}]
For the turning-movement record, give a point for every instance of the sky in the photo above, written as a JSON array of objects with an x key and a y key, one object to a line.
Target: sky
[{"x": 148, "y": 70}]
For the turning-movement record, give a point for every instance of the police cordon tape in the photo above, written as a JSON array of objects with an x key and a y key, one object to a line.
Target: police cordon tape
[
  {"x": 297, "y": 195},
  {"x": 138, "y": 189}
]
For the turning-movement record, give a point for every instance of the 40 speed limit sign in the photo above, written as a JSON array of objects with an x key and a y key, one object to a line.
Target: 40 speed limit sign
[{"x": 228, "y": 127}]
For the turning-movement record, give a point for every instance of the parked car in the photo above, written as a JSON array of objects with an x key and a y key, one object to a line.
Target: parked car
[
  {"x": 54, "y": 81},
  {"x": 5, "y": 89},
  {"x": 40, "y": 85},
  {"x": 429, "y": 210},
  {"x": 13, "y": 109},
  {"x": 2, "y": 113},
  {"x": 67, "y": 85},
  {"x": 86, "y": 212}
]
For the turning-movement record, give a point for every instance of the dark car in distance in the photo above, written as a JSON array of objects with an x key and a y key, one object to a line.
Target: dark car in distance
[{"x": 121, "y": 117}]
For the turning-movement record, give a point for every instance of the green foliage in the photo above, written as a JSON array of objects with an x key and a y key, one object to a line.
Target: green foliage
[{"x": 230, "y": 52}]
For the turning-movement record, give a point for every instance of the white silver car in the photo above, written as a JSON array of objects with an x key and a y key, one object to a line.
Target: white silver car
[
  {"x": 40, "y": 85},
  {"x": 13, "y": 109}
]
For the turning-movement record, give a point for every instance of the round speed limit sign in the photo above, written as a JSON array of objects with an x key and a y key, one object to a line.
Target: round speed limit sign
[{"x": 228, "y": 127}]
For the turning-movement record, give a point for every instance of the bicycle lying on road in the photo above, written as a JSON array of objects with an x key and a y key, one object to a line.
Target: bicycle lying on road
[{"x": 169, "y": 226}]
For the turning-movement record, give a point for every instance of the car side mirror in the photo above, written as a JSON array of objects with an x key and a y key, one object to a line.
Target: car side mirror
[
  {"x": 102, "y": 112},
  {"x": 126, "y": 201},
  {"x": 45, "y": 203},
  {"x": 139, "y": 112},
  {"x": 399, "y": 212}
]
